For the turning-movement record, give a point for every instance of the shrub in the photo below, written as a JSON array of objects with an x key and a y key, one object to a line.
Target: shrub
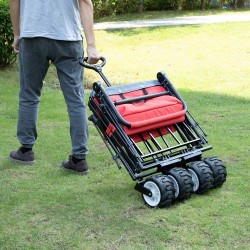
[
  {"x": 7, "y": 55},
  {"x": 160, "y": 5},
  {"x": 112, "y": 7},
  {"x": 126, "y": 6},
  {"x": 191, "y": 4}
]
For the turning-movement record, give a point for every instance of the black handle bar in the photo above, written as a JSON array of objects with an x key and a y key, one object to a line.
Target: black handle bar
[{"x": 95, "y": 67}]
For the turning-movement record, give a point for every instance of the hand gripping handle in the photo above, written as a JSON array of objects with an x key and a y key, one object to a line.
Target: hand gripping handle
[{"x": 95, "y": 67}]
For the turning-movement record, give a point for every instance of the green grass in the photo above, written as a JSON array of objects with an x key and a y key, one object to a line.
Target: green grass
[{"x": 44, "y": 207}]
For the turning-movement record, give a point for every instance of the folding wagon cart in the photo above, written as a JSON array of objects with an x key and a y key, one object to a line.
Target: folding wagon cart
[{"x": 147, "y": 128}]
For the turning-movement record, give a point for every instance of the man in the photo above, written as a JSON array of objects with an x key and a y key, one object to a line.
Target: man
[{"x": 50, "y": 30}]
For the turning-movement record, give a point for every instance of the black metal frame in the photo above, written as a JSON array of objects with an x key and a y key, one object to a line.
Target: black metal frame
[{"x": 155, "y": 155}]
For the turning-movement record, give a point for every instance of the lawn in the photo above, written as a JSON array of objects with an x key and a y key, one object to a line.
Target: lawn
[{"x": 45, "y": 207}]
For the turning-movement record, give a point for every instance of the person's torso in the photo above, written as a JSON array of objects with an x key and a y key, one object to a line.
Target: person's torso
[{"x": 54, "y": 19}]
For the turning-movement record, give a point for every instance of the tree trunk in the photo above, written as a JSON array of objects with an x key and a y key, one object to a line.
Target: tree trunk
[
  {"x": 203, "y": 4},
  {"x": 140, "y": 6},
  {"x": 240, "y": 3}
]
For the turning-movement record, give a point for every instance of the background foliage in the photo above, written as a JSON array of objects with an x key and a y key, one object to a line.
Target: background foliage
[
  {"x": 7, "y": 56},
  {"x": 112, "y": 7},
  {"x": 160, "y": 5}
]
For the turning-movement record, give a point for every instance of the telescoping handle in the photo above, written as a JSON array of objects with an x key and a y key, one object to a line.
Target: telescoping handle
[{"x": 96, "y": 67}]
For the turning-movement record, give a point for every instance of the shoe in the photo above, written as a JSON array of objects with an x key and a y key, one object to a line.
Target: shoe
[
  {"x": 25, "y": 158},
  {"x": 80, "y": 167}
]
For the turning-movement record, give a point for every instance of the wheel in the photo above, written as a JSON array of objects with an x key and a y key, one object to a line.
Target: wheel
[
  {"x": 162, "y": 190},
  {"x": 218, "y": 169},
  {"x": 202, "y": 176},
  {"x": 182, "y": 181}
]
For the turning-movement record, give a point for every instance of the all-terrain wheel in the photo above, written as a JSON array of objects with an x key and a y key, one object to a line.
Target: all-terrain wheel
[
  {"x": 218, "y": 169},
  {"x": 162, "y": 190},
  {"x": 182, "y": 182},
  {"x": 202, "y": 176}
]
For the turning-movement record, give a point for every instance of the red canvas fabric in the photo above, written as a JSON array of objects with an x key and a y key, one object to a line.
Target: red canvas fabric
[{"x": 152, "y": 113}]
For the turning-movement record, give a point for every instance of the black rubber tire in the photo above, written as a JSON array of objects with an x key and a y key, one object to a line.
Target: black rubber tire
[
  {"x": 204, "y": 175},
  {"x": 165, "y": 188},
  {"x": 183, "y": 179},
  {"x": 218, "y": 169}
]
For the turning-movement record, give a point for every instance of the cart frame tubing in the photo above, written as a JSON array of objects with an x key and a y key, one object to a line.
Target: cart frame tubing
[{"x": 109, "y": 122}]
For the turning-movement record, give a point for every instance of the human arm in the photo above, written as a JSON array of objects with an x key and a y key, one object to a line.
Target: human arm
[
  {"x": 86, "y": 14},
  {"x": 15, "y": 19}
]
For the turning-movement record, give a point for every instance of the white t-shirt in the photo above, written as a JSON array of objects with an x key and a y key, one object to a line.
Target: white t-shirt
[{"x": 54, "y": 19}]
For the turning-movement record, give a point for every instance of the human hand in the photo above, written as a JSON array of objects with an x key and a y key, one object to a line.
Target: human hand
[
  {"x": 16, "y": 44},
  {"x": 93, "y": 55}
]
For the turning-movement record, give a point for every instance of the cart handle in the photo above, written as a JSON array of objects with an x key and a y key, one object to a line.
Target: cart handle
[{"x": 95, "y": 67}]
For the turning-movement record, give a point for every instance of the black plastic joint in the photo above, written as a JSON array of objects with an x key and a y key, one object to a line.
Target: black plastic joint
[
  {"x": 96, "y": 87},
  {"x": 139, "y": 187}
]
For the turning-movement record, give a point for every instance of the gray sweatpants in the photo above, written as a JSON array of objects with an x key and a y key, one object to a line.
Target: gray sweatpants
[{"x": 34, "y": 57}]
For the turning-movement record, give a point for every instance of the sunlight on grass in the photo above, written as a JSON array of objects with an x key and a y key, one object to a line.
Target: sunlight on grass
[{"x": 203, "y": 57}]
